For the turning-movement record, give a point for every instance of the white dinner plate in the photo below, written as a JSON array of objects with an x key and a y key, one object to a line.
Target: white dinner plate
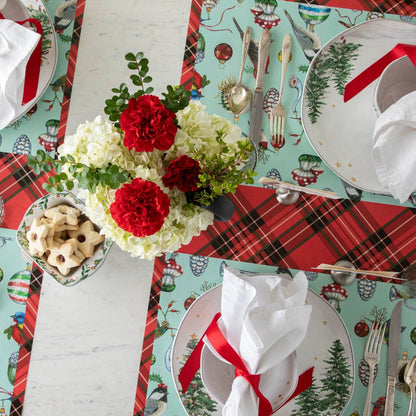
[
  {"x": 326, "y": 326},
  {"x": 342, "y": 133},
  {"x": 23, "y": 9}
]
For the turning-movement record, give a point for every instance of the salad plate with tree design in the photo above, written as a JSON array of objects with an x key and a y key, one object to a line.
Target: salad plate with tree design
[{"x": 341, "y": 132}]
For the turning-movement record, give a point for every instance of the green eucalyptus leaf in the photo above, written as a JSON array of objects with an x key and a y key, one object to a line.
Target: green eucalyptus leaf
[
  {"x": 132, "y": 65},
  {"x": 36, "y": 169},
  {"x": 69, "y": 185},
  {"x": 130, "y": 57}
]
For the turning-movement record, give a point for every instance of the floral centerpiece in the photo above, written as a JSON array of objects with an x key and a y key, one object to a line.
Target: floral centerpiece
[{"x": 147, "y": 172}]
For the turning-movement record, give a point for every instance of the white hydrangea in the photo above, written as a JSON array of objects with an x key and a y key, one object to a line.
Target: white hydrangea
[{"x": 197, "y": 134}]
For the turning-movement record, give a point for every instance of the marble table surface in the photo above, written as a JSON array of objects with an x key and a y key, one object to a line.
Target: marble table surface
[{"x": 88, "y": 338}]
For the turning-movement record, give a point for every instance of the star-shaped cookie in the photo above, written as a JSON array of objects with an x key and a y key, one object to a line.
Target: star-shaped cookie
[
  {"x": 65, "y": 256},
  {"x": 63, "y": 214},
  {"x": 39, "y": 237},
  {"x": 87, "y": 238}
]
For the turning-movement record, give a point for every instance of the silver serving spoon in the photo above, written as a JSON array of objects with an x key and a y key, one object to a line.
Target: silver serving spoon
[
  {"x": 239, "y": 98},
  {"x": 410, "y": 379}
]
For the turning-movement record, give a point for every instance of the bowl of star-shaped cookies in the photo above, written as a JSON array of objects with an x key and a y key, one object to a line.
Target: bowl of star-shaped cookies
[{"x": 56, "y": 234}]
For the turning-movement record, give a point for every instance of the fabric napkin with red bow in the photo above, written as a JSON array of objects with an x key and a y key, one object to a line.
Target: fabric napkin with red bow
[
  {"x": 17, "y": 43},
  {"x": 263, "y": 320}
]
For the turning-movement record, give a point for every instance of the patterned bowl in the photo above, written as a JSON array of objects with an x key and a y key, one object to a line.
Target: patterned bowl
[{"x": 88, "y": 265}]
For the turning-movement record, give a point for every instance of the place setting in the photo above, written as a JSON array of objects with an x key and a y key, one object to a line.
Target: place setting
[
  {"x": 371, "y": 150},
  {"x": 28, "y": 57}
]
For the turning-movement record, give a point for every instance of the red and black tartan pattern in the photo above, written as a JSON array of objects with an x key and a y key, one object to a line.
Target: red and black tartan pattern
[
  {"x": 315, "y": 230},
  {"x": 26, "y": 347},
  {"x": 401, "y": 7},
  {"x": 149, "y": 335},
  {"x": 188, "y": 77},
  {"x": 19, "y": 187},
  {"x": 71, "y": 70}
]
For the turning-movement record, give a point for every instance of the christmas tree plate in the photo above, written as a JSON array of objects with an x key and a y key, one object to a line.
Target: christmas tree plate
[
  {"x": 327, "y": 346},
  {"x": 36, "y": 9},
  {"x": 341, "y": 133}
]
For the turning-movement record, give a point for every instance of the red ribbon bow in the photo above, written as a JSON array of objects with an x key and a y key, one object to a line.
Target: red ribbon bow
[
  {"x": 221, "y": 345},
  {"x": 374, "y": 71},
  {"x": 33, "y": 64}
]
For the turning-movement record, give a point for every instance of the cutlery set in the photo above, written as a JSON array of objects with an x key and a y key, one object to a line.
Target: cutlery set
[
  {"x": 240, "y": 98},
  {"x": 372, "y": 354}
]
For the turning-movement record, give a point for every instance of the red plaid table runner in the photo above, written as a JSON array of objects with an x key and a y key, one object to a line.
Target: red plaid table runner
[
  {"x": 299, "y": 236},
  {"x": 19, "y": 188},
  {"x": 314, "y": 230}
]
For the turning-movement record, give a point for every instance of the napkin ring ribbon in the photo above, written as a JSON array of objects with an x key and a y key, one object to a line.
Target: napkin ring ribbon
[
  {"x": 221, "y": 345},
  {"x": 33, "y": 64},
  {"x": 374, "y": 71}
]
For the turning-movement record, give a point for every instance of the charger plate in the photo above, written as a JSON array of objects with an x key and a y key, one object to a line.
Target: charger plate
[
  {"x": 341, "y": 133},
  {"x": 23, "y": 9},
  {"x": 325, "y": 328}
]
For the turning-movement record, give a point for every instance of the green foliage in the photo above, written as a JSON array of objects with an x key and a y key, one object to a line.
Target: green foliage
[
  {"x": 88, "y": 177},
  {"x": 156, "y": 378},
  {"x": 221, "y": 175},
  {"x": 335, "y": 65},
  {"x": 340, "y": 57},
  {"x": 175, "y": 98},
  {"x": 115, "y": 105},
  {"x": 316, "y": 87}
]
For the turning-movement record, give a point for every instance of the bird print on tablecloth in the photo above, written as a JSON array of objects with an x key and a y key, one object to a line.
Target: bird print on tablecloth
[
  {"x": 64, "y": 15},
  {"x": 308, "y": 40},
  {"x": 15, "y": 330},
  {"x": 157, "y": 402}
]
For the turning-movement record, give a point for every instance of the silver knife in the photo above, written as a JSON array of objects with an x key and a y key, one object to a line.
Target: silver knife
[
  {"x": 393, "y": 356},
  {"x": 257, "y": 103}
]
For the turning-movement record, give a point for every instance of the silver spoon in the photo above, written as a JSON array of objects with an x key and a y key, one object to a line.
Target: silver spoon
[
  {"x": 239, "y": 98},
  {"x": 410, "y": 379}
]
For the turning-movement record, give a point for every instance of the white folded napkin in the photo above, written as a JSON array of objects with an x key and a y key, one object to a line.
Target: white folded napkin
[
  {"x": 16, "y": 45},
  {"x": 264, "y": 321},
  {"x": 394, "y": 147}
]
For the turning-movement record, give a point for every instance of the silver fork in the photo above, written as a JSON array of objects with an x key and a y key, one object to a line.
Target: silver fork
[
  {"x": 278, "y": 113},
  {"x": 372, "y": 357}
]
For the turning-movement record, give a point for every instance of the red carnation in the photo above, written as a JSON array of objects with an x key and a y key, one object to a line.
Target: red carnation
[
  {"x": 147, "y": 124},
  {"x": 182, "y": 172},
  {"x": 140, "y": 207}
]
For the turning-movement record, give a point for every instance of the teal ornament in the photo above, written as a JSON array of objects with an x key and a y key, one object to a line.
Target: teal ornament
[{"x": 313, "y": 15}]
